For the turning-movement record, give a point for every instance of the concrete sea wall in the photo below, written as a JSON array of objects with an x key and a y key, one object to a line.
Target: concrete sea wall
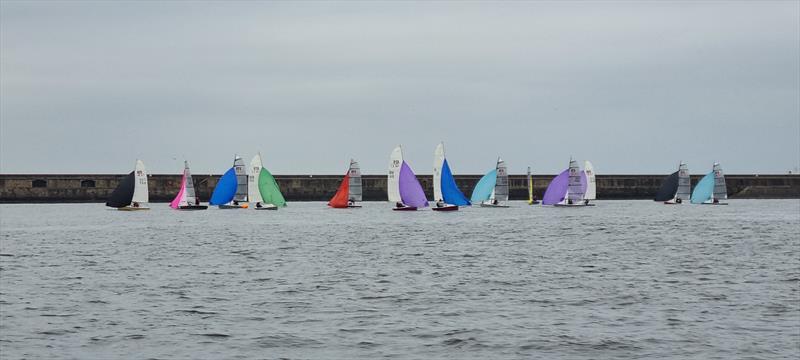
[{"x": 96, "y": 187}]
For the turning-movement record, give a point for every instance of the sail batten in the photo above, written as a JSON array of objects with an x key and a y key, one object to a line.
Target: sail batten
[
  {"x": 591, "y": 187},
  {"x": 241, "y": 180},
  {"x": 393, "y": 177},
  {"x": 500, "y": 193},
  {"x": 684, "y": 191}
]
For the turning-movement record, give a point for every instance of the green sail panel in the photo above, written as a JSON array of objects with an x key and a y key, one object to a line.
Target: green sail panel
[{"x": 269, "y": 189}]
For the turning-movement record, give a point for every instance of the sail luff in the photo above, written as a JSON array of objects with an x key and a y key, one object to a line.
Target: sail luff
[
  {"x": 530, "y": 186},
  {"x": 591, "y": 187}
]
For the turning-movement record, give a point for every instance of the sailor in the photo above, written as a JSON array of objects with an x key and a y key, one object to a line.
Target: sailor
[
  {"x": 258, "y": 204},
  {"x": 569, "y": 201},
  {"x": 494, "y": 202},
  {"x": 350, "y": 202},
  {"x": 439, "y": 203},
  {"x": 585, "y": 201},
  {"x": 236, "y": 202},
  {"x": 399, "y": 204},
  {"x": 678, "y": 200},
  {"x": 135, "y": 204},
  {"x": 197, "y": 201},
  {"x": 716, "y": 201}
]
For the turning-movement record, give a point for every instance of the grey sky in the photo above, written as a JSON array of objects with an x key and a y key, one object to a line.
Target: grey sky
[{"x": 633, "y": 87}]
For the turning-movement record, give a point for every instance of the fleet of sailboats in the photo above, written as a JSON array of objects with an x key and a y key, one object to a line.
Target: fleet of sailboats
[{"x": 573, "y": 187}]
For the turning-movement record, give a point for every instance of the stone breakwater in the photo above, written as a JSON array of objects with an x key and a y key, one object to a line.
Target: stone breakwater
[{"x": 40, "y": 188}]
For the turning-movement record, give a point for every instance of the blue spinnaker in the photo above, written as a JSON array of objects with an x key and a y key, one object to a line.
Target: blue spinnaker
[
  {"x": 450, "y": 191},
  {"x": 225, "y": 189},
  {"x": 704, "y": 189},
  {"x": 484, "y": 187}
]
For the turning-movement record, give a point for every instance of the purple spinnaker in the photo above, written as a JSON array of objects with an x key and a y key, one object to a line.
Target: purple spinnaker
[
  {"x": 584, "y": 182},
  {"x": 557, "y": 189},
  {"x": 410, "y": 190}
]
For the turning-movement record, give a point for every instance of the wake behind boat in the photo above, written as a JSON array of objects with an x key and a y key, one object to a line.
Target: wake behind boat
[{"x": 132, "y": 193}]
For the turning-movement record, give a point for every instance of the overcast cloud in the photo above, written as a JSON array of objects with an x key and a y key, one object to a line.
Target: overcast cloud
[{"x": 89, "y": 87}]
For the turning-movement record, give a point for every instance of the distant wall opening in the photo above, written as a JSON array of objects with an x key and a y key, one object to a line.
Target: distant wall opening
[
  {"x": 39, "y": 183},
  {"x": 87, "y": 183}
]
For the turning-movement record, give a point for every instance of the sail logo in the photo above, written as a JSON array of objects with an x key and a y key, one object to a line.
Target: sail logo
[
  {"x": 682, "y": 173},
  {"x": 256, "y": 169},
  {"x": 139, "y": 173},
  {"x": 718, "y": 173}
]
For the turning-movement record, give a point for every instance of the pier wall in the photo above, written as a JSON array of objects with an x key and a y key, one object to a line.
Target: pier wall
[{"x": 97, "y": 187}]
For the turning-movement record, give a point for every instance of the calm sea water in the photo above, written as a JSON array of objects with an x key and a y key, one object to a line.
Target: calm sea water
[{"x": 625, "y": 279}]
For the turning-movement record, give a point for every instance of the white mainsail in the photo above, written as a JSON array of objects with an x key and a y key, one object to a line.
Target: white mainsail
[
  {"x": 141, "y": 195},
  {"x": 241, "y": 180},
  {"x": 253, "y": 193},
  {"x": 438, "y": 162},
  {"x": 501, "y": 183},
  {"x": 575, "y": 189},
  {"x": 720, "y": 189},
  {"x": 591, "y": 188},
  {"x": 393, "y": 179},
  {"x": 684, "y": 183},
  {"x": 354, "y": 187}
]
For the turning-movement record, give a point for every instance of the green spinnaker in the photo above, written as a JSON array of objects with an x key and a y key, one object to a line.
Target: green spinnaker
[{"x": 269, "y": 189}]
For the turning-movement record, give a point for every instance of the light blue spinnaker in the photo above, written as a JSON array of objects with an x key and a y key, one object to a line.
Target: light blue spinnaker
[
  {"x": 225, "y": 189},
  {"x": 704, "y": 189},
  {"x": 450, "y": 191},
  {"x": 483, "y": 190}
]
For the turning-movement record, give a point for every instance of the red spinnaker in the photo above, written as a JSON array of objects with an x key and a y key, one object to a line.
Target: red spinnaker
[{"x": 339, "y": 200}]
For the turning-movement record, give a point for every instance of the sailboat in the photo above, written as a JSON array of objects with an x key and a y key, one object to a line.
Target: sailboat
[
  {"x": 492, "y": 189},
  {"x": 263, "y": 190},
  {"x": 231, "y": 190},
  {"x": 568, "y": 188},
  {"x": 676, "y": 186},
  {"x": 403, "y": 188},
  {"x": 131, "y": 193},
  {"x": 445, "y": 191},
  {"x": 711, "y": 190},
  {"x": 591, "y": 186},
  {"x": 531, "y": 199},
  {"x": 186, "y": 198},
  {"x": 350, "y": 190}
]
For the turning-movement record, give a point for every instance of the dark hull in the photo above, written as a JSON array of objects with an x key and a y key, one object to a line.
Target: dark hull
[
  {"x": 446, "y": 208},
  {"x": 534, "y": 202},
  {"x": 407, "y": 208},
  {"x": 232, "y": 207},
  {"x": 266, "y": 208},
  {"x": 193, "y": 207}
]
